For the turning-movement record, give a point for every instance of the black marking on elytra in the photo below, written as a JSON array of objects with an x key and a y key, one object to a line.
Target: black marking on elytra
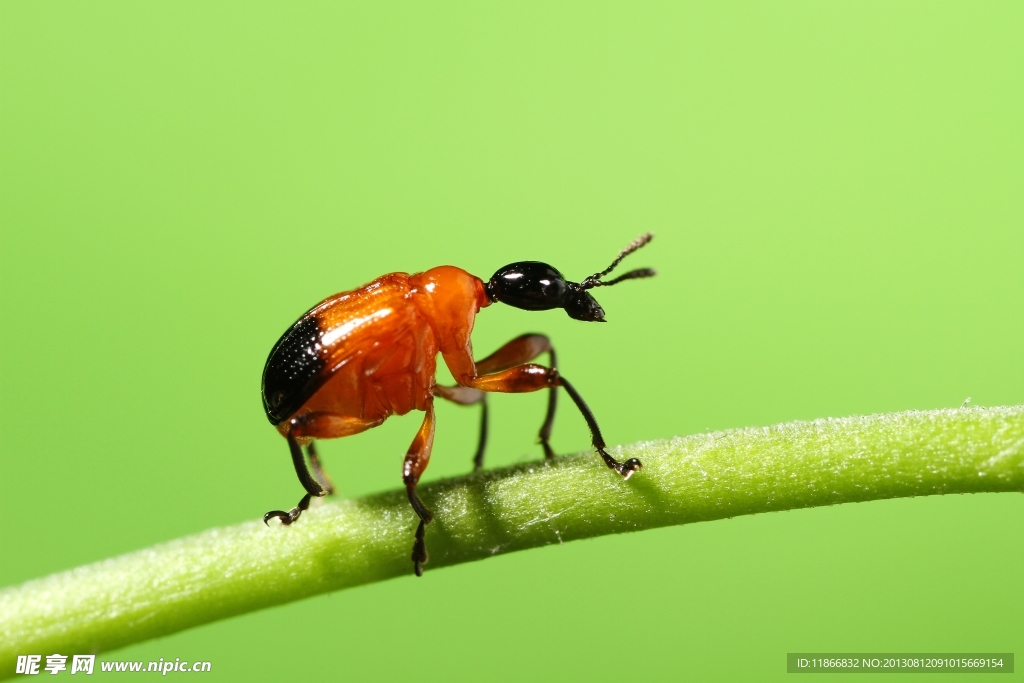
[{"x": 293, "y": 370}]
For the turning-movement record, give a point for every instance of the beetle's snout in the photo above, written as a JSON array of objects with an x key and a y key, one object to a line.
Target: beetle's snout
[{"x": 581, "y": 305}]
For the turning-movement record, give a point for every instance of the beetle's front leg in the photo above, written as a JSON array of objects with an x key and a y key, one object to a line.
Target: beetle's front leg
[
  {"x": 531, "y": 377},
  {"x": 416, "y": 461}
]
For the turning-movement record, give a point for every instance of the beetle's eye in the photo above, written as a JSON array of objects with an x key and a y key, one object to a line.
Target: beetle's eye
[{"x": 530, "y": 285}]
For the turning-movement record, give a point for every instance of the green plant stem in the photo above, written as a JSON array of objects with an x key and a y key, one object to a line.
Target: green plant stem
[{"x": 229, "y": 571}]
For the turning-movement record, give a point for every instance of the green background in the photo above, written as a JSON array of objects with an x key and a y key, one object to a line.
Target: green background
[{"x": 837, "y": 195}]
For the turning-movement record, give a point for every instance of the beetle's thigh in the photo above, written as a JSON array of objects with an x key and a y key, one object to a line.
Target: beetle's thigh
[
  {"x": 522, "y": 349},
  {"x": 330, "y": 426},
  {"x": 464, "y": 396}
]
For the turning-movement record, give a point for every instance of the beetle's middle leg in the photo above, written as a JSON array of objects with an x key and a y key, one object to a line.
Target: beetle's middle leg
[
  {"x": 314, "y": 426},
  {"x": 416, "y": 461},
  {"x": 465, "y": 396},
  {"x": 520, "y": 350}
]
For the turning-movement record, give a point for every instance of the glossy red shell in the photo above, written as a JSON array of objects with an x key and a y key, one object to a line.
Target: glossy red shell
[{"x": 372, "y": 352}]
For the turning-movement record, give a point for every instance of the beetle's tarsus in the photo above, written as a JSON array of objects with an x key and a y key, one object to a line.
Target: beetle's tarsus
[{"x": 419, "y": 548}]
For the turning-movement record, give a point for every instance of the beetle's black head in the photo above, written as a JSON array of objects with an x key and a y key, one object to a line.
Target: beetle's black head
[{"x": 536, "y": 286}]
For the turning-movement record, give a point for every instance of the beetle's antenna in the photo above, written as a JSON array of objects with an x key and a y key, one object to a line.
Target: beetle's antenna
[
  {"x": 631, "y": 275},
  {"x": 595, "y": 279}
]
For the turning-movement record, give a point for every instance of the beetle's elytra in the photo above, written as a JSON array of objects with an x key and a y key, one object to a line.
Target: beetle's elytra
[{"x": 359, "y": 357}]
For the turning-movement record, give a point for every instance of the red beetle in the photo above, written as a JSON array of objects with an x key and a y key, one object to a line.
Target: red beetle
[{"x": 359, "y": 357}]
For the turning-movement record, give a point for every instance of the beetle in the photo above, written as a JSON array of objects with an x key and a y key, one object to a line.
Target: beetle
[{"x": 358, "y": 357}]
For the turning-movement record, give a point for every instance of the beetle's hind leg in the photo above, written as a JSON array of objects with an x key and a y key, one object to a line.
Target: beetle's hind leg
[
  {"x": 311, "y": 485},
  {"x": 416, "y": 461},
  {"x": 311, "y": 426}
]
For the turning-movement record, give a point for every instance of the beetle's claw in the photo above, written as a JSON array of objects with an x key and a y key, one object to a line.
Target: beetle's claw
[
  {"x": 285, "y": 517},
  {"x": 627, "y": 468},
  {"x": 274, "y": 513}
]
